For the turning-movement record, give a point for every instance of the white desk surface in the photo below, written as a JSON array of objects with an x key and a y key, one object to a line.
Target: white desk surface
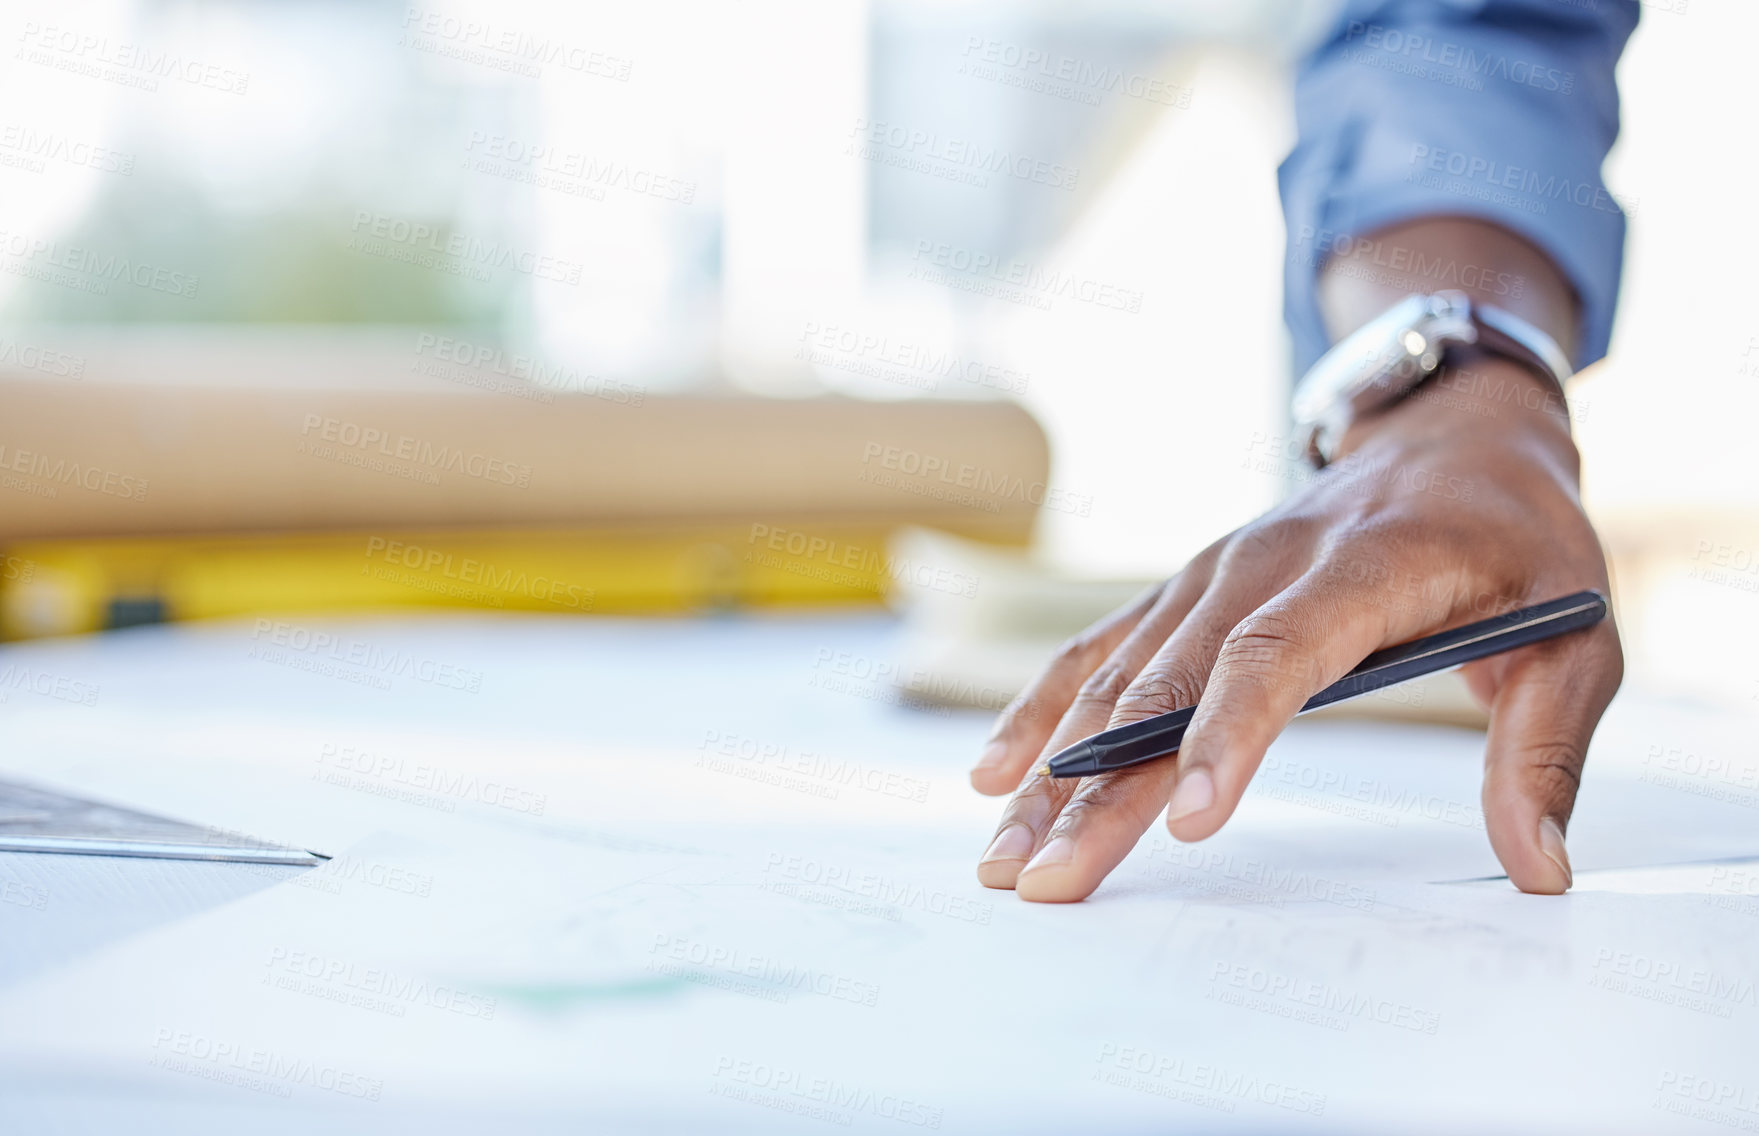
[{"x": 790, "y": 938}]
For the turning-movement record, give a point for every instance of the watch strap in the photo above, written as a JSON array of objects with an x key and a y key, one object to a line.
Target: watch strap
[{"x": 1503, "y": 332}]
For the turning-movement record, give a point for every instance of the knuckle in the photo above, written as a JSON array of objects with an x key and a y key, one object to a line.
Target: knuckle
[
  {"x": 1075, "y": 653},
  {"x": 1157, "y": 690},
  {"x": 1352, "y": 562},
  {"x": 1107, "y": 684},
  {"x": 1374, "y": 553},
  {"x": 1034, "y": 801},
  {"x": 1555, "y": 767},
  {"x": 1392, "y": 557},
  {"x": 1385, "y": 591},
  {"x": 1392, "y": 531},
  {"x": 1206, "y": 560},
  {"x": 1264, "y": 636},
  {"x": 1396, "y": 537},
  {"x": 1268, "y": 648},
  {"x": 1112, "y": 795},
  {"x": 1266, "y": 543}
]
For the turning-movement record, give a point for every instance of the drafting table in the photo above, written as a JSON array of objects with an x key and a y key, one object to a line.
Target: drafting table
[{"x": 709, "y": 876}]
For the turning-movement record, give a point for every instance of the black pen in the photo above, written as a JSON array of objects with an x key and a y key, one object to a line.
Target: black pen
[{"x": 1160, "y": 735}]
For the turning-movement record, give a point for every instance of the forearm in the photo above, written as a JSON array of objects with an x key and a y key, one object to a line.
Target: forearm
[{"x": 1428, "y": 254}]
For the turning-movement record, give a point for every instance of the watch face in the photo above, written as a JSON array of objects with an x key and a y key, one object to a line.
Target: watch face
[
  {"x": 1378, "y": 364},
  {"x": 1363, "y": 360}
]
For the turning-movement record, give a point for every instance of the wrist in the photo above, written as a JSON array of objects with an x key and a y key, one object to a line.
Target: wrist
[{"x": 1479, "y": 399}]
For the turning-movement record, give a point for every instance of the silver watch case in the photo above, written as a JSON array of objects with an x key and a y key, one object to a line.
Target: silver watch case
[{"x": 1377, "y": 364}]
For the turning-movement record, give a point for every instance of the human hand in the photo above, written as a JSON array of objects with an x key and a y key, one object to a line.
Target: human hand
[{"x": 1457, "y": 503}]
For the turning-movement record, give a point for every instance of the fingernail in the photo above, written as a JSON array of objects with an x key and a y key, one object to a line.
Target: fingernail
[
  {"x": 1053, "y": 855},
  {"x": 1551, "y": 842},
  {"x": 993, "y": 754},
  {"x": 1011, "y": 843},
  {"x": 1194, "y": 793}
]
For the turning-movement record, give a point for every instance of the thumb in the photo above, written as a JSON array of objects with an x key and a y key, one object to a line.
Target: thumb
[{"x": 1548, "y": 699}]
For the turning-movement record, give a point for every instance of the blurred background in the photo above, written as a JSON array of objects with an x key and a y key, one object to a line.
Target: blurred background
[{"x": 310, "y": 306}]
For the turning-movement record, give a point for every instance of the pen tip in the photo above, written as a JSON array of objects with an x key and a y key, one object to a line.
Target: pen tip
[{"x": 1043, "y": 771}]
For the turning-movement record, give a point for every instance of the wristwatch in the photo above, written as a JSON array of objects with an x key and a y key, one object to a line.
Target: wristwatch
[{"x": 1391, "y": 355}]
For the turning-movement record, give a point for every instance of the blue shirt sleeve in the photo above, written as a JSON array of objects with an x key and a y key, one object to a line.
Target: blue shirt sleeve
[{"x": 1497, "y": 109}]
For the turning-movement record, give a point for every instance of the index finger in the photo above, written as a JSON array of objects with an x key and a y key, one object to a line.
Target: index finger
[
  {"x": 1294, "y": 646},
  {"x": 1025, "y": 724}
]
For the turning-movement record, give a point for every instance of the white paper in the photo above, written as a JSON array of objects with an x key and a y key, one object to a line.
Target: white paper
[{"x": 684, "y": 876}]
